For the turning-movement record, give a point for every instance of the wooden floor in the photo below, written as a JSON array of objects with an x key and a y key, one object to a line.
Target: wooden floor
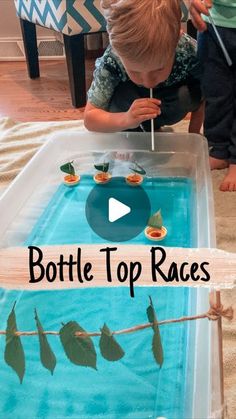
[{"x": 44, "y": 99}]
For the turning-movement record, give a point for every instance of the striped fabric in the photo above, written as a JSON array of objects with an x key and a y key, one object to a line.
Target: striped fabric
[{"x": 70, "y": 17}]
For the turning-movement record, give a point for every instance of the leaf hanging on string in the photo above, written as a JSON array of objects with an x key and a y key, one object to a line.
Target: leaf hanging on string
[
  {"x": 157, "y": 348},
  {"x": 138, "y": 169},
  {"x": 156, "y": 341},
  {"x": 155, "y": 220},
  {"x": 47, "y": 356},
  {"x": 68, "y": 168},
  {"x": 110, "y": 349},
  {"x": 14, "y": 353},
  {"x": 102, "y": 167},
  {"x": 79, "y": 350}
]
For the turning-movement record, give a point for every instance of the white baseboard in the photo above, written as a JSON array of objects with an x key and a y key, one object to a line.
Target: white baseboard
[{"x": 49, "y": 48}]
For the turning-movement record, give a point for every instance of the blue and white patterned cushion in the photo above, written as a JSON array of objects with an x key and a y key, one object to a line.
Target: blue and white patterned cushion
[{"x": 70, "y": 17}]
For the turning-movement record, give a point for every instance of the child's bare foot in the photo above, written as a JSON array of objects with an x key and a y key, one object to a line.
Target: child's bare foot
[
  {"x": 218, "y": 164},
  {"x": 229, "y": 182}
]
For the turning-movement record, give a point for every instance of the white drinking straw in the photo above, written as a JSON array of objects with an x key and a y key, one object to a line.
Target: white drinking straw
[
  {"x": 152, "y": 125},
  {"x": 222, "y": 45},
  {"x": 225, "y": 52}
]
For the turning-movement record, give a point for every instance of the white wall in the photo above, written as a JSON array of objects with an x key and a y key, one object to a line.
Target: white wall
[{"x": 9, "y": 24}]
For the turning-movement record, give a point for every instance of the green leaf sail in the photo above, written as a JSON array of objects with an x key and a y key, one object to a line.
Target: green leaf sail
[
  {"x": 14, "y": 354},
  {"x": 138, "y": 169},
  {"x": 79, "y": 350},
  {"x": 102, "y": 167},
  {"x": 47, "y": 356},
  {"x": 155, "y": 220},
  {"x": 110, "y": 349},
  {"x": 156, "y": 341},
  {"x": 68, "y": 168}
]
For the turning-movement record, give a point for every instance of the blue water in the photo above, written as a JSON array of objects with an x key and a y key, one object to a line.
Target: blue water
[
  {"x": 64, "y": 220},
  {"x": 134, "y": 387}
]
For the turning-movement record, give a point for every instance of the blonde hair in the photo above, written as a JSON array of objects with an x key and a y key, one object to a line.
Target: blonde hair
[{"x": 143, "y": 29}]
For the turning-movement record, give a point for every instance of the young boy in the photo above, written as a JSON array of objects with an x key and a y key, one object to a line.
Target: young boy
[
  {"x": 146, "y": 51},
  {"x": 219, "y": 83}
]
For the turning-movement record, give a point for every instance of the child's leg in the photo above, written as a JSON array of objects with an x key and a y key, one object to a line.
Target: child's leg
[
  {"x": 229, "y": 182},
  {"x": 218, "y": 91}
]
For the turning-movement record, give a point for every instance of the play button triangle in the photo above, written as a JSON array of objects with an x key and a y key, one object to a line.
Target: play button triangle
[{"x": 117, "y": 210}]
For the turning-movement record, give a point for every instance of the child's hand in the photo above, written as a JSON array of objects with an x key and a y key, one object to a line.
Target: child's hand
[
  {"x": 196, "y": 8},
  {"x": 142, "y": 110}
]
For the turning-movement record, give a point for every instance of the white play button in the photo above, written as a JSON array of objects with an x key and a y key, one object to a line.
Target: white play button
[{"x": 117, "y": 210}]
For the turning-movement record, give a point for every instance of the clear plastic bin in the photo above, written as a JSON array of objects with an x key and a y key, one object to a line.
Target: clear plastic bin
[{"x": 176, "y": 155}]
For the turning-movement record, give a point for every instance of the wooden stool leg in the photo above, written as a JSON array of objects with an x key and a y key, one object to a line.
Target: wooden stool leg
[
  {"x": 28, "y": 30},
  {"x": 75, "y": 57}
]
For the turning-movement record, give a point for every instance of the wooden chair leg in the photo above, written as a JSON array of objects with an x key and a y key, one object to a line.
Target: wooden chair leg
[
  {"x": 28, "y": 30},
  {"x": 75, "y": 57}
]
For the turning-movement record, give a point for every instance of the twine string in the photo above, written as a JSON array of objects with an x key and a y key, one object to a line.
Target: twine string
[{"x": 214, "y": 313}]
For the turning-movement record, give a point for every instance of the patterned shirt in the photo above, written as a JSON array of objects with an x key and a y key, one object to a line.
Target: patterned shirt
[{"x": 109, "y": 72}]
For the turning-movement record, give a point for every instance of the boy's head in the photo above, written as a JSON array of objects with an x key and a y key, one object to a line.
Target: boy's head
[{"x": 144, "y": 34}]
